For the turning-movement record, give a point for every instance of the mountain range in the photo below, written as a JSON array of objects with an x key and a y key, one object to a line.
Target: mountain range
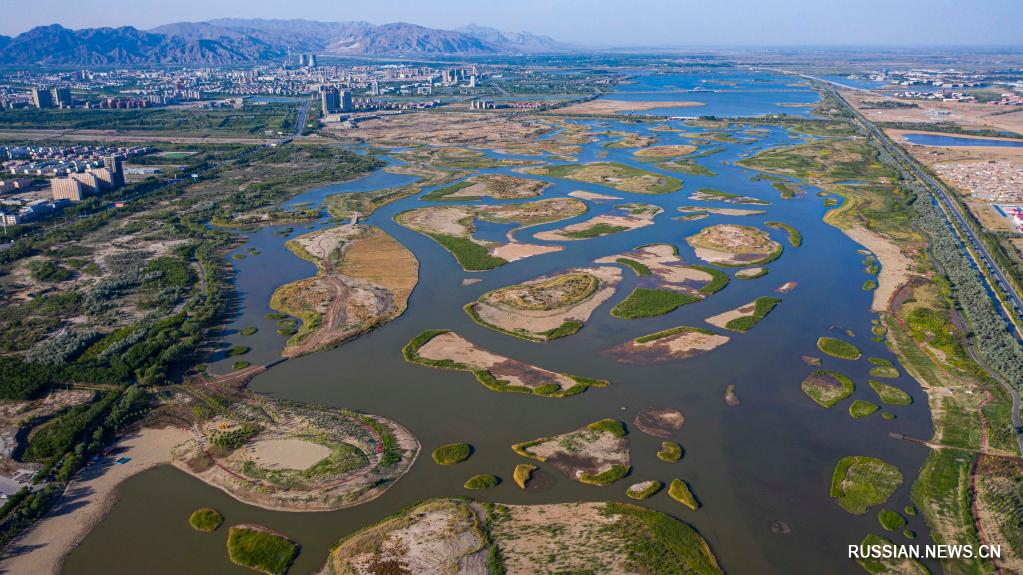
[{"x": 239, "y": 41}]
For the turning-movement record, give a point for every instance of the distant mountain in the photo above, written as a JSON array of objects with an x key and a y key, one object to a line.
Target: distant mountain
[
  {"x": 235, "y": 41},
  {"x": 56, "y": 45},
  {"x": 520, "y": 41}
]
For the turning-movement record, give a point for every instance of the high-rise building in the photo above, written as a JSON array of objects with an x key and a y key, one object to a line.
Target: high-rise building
[
  {"x": 62, "y": 97},
  {"x": 90, "y": 183},
  {"x": 375, "y": 88},
  {"x": 331, "y": 101},
  {"x": 105, "y": 177},
  {"x": 346, "y": 101},
  {"x": 113, "y": 163},
  {"x": 42, "y": 97},
  {"x": 67, "y": 189},
  {"x": 310, "y": 60}
]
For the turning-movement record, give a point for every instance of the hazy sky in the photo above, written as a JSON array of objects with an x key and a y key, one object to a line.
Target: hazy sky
[{"x": 590, "y": 22}]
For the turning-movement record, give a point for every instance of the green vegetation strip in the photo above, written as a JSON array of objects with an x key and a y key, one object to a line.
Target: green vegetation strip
[
  {"x": 640, "y": 269},
  {"x": 260, "y": 550},
  {"x": 645, "y": 492},
  {"x": 522, "y": 474},
  {"x": 838, "y": 348},
  {"x": 670, "y": 332},
  {"x": 795, "y": 238},
  {"x": 718, "y": 279},
  {"x": 646, "y": 302},
  {"x": 471, "y": 256},
  {"x": 614, "y": 473},
  {"x": 452, "y": 453},
  {"x": 762, "y": 307}
]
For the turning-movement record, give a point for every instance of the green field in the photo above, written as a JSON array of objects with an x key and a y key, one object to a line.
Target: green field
[
  {"x": 205, "y": 519},
  {"x": 452, "y": 453},
  {"x": 860, "y": 408},
  {"x": 889, "y": 394}
]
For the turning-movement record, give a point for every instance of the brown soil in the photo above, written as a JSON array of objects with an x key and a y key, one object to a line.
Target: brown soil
[
  {"x": 659, "y": 421},
  {"x": 732, "y": 244},
  {"x": 673, "y": 347},
  {"x": 583, "y": 451}
]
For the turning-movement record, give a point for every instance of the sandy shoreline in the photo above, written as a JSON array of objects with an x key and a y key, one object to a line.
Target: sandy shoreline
[
  {"x": 86, "y": 502},
  {"x": 895, "y": 266}
]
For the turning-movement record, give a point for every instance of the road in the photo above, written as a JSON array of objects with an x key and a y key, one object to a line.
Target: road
[
  {"x": 301, "y": 117},
  {"x": 952, "y": 208},
  {"x": 1015, "y": 307}
]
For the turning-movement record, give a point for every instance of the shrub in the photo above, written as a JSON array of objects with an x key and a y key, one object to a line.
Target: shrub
[
  {"x": 889, "y": 394},
  {"x": 838, "y": 348},
  {"x": 679, "y": 491},
  {"x": 859, "y": 408},
  {"x": 860, "y": 482},
  {"x": 891, "y": 520},
  {"x": 260, "y": 550}
]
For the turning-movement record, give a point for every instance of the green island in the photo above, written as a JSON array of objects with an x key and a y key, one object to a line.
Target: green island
[
  {"x": 260, "y": 549},
  {"x": 795, "y": 238},
  {"x": 445, "y": 349},
  {"x": 860, "y": 482},
  {"x": 889, "y": 394},
  {"x": 451, "y": 453},
  {"x": 670, "y": 452},
  {"x": 710, "y": 194},
  {"x": 884, "y": 371},
  {"x": 733, "y": 245},
  {"x": 251, "y": 330},
  {"x": 890, "y": 520},
  {"x": 679, "y": 491},
  {"x": 644, "y": 489},
  {"x": 482, "y": 482},
  {"x": 838, "y": 348},
  {"x": 888, "y": 564},
  {"x": 646, "y": 302},
  {"x": 205, "y": 519},
  {"x": 859, "y": 408},
  {"x": 827, "y": 388}
]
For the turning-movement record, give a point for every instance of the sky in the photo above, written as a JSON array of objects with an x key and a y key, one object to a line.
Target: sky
[{"x": 599, "y": 23}]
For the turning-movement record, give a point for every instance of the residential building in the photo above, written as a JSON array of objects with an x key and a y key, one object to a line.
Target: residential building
[
  {"x": 42, "y": 97},
  {"x": 113, "y": 163},
  {"x": 67, "y": 189},
  {"x": 62, "y": 97},
  {"x": 331, "y": 101}
]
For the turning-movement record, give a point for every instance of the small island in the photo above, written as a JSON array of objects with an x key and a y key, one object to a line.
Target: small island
[{"x": 597, "y": 454}]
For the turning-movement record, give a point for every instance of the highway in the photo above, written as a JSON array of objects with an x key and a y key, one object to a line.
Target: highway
[
  {"x": 301, "y": 117},
  {"x": 1015, "y": 307}
]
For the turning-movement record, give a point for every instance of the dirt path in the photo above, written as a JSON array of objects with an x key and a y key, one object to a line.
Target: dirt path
[{"x": 86, "y": 502}]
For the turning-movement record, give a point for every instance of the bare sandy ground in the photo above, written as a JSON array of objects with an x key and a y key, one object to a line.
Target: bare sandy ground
[
  {"x": 289, "y": 453},
  {"x": 969, "y": 115},
  {"x": 664, "y": 262},
  {"x": 560, "y": 234},
  {"x": 516, "y": 251},
  {"x": 86, "y": 501},
  {"x": 676, "y": 346},
  {"x": 721, "y": 211},
  {"x": 604, "y": 106},
  {"x": 786, "y": 287},
  {"x": 584, "y": 195},
  {"x": 722, "y": 319},
  {"x": 895, "y": 266}
]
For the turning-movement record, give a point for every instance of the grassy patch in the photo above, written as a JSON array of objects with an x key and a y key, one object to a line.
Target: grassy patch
[
  {"x": 646, "y": 302},
  {"x": 599, "y": 229},
  {"x": 718, "y": 280},
  {"x": 482, "y": 482},
  {"x": 608, "y": 477},
  {"x": 205, "y": 519},
  {"x": 670, "y": 332},
  {"x": 869, "y": 285},
  {"x": 260, "y": 550},
  {"x": 838, "y": 348},
  {"x": 795, "y": 238},
  {"x": 751, "y": 274},
  {"x": 523, "y": 472},
  {"x": 670, "y": 452},
  {"x": 612, "y": 426},
  {"x": 785, "y": 190},
  {"x": 441, "y": 194},
  {"x": 240, "y": 365},
  {"x": 679, "y": 491},
  {"x": 891, "y": 520},
  {"x": 860, "y": 408},
  {"x": 762, "y": 307},
  {"x": 886, "y": 565},
  {"x": 452, "y": 453},
  {"x": 860, "y": 482},
  {"x": 658, "y": 543},
  {"x": 248, "y": 330},
  {"x": 470, "y": 255},
  {"x": 238, "y": 350},
  {"x": 640, "y": 269},
  {"x": 889, "y": 394},
  {"x": 615, "y": 175},
  {"x": 827, "y": 388},
  {"x": 565, "y": 329}
]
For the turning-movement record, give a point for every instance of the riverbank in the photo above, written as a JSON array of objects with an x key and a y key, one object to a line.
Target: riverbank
[{"x": 87, "y": 500}]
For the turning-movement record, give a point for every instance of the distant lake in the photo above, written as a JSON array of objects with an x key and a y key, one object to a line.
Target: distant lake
[{"x": 936, "y": 140}]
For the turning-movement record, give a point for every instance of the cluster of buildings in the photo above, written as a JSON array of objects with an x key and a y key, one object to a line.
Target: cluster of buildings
[
  {"x": 77, "y": 186},
  {"x": 47, "y": 97},
  {"x": 55, "y": 161},
  {"x": 943, "y": 96}
]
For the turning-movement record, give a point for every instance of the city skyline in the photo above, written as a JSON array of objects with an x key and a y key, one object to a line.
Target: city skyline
[{"x": 600, "y": 24}]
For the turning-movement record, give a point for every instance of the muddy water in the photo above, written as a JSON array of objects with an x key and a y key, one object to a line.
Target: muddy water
[{"x": 769, "y": 459}]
